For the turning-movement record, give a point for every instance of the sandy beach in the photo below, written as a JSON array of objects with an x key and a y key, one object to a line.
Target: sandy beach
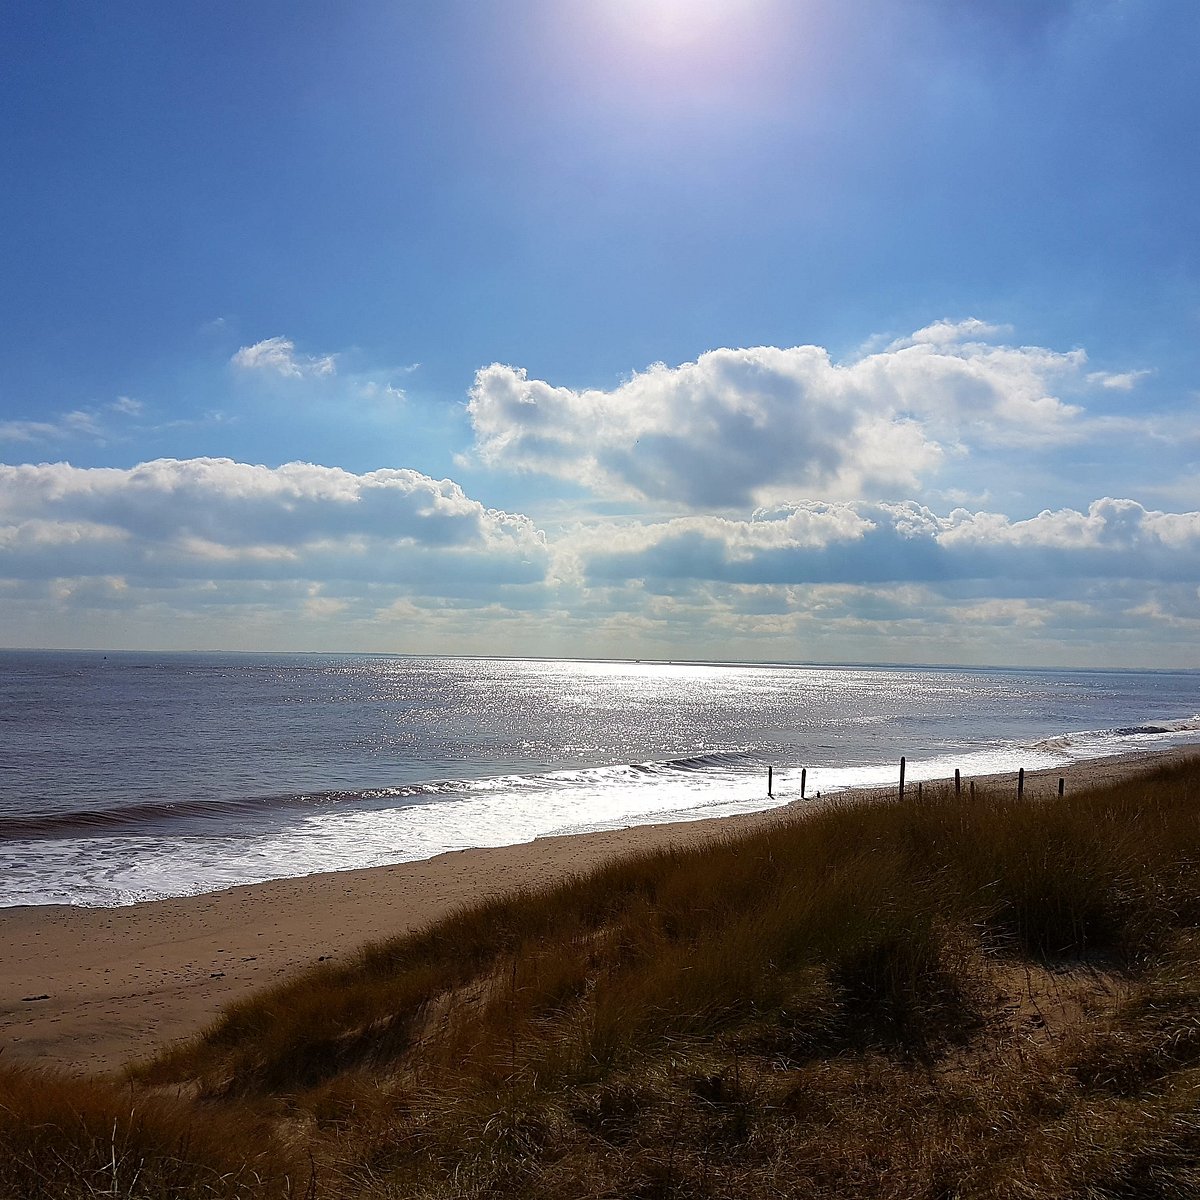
[{"x": 89, "y": 989}]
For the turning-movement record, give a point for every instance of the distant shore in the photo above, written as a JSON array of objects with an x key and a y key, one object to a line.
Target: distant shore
[{"x": 89, "y": 989}]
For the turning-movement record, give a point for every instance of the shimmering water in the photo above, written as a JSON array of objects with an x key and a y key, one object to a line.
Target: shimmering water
[{"x": 129, "y": 776}]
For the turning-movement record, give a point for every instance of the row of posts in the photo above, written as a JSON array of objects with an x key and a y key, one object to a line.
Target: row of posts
[{"x": 1062, "y": 783}]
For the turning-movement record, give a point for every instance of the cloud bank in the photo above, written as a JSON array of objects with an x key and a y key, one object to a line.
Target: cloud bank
[
  {"x": 810, "y": 543},
  {"x": 795, "y": 515},
  {"x": 217, "y": 518},
  {"x": 740, "y": 427}
]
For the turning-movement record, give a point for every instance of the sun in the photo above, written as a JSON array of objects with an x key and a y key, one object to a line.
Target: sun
[{"x": 676, "y": 24}]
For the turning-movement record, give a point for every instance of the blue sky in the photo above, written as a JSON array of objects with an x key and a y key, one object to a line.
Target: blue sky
[{"x": 741, "y": 329}]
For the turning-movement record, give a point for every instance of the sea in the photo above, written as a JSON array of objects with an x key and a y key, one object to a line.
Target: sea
[{"x": 127, "y": 777}]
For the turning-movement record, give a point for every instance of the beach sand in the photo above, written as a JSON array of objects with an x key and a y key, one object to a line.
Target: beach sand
[{"x": 90, "y": 989}]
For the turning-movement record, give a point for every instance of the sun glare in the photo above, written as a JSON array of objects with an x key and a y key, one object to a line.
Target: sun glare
[{"x": 675, "y": 24}]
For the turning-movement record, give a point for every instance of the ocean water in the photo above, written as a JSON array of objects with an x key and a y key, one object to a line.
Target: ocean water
[{"x": 127, "y": 777}]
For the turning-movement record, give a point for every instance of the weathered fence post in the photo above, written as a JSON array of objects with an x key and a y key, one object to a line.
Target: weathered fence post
[
  {"x": 803, "y": 780},
  {"x": 1020, "y": 783},
  {"x": 972, "y": 789},
  {"x": 902, "y": 777},
  {"x": 918, "y": 790},
  {"x": 1062, "y": 783},
  {"x": 770, "y": 773},
  {"x": 957, "y": 782}
]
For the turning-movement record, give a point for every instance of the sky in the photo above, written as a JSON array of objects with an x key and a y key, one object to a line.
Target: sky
[{"x": 750, "y": 330}]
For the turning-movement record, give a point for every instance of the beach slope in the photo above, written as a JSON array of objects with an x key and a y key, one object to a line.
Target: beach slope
[{"x": 90, "y": 989}]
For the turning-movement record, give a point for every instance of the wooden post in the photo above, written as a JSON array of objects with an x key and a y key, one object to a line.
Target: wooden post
[
  {"x": 1062, "y": 783},
  {"x": 1020, "y": 783},
  {"x": 803, "y": 780},
  {"x": 918, "y": 789},
  {"x": 972, "y": 789},
  {"x": 769, "y": 781},
  {"x": 957, "y": 782},
  {"x": 901, "y": 777}
]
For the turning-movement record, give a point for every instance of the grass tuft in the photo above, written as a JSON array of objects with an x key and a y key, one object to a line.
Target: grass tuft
[{"x": 62, "y": 1136}]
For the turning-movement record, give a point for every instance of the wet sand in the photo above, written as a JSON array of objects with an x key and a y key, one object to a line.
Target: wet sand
[{"x": 90, "y": 989}]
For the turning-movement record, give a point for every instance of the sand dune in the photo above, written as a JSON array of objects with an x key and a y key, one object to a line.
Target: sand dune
[{"x": 90, "y": 989}]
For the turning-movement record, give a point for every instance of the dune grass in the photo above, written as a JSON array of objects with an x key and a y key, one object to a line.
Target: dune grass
[
  {"x": 938, "y": 998},
  {"x": 73, "y": 1137}
]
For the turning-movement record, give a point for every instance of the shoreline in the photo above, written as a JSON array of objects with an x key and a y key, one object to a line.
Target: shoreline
[{"x": 90, "y": 989}]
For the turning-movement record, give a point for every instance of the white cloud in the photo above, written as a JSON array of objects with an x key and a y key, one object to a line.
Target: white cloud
[
  {"x": 81, "y": 424},
  {"x": 219, "y": 553},
  {"x": 373, "y": 389},
  {"x": 945, "y": 332},
  {"x": 1122, "y": 382},
  {"x": 222, "y": 519},
  {"x": 30, "y": 431},
  {"x": 698, "y": 543},
  {"x": 758, "y": 425},
  {"x": 1001, "y": 612},
  {"x": 860, "y": 542},
  {"x": 278, "y": 355},
  {"x": 43, "y": 533},
  {"x": 1108, "y": 524}
]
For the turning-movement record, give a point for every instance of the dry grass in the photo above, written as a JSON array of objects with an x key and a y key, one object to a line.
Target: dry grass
[
  {"x": 938, "y": 999},
  {"x": 64, "y": 1136}
]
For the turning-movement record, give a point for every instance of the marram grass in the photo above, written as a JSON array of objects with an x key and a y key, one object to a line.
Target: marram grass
[{"x": 949, "y": 998}]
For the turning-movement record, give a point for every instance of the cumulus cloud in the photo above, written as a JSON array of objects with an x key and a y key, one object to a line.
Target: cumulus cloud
[
  {"x": 744, "y": 426},
  {"x": 873, "y": 543},
  {"x": 217, "y": 552},
  {"x": 218, "y": 518},
  {"x": 278, "y": 356}
]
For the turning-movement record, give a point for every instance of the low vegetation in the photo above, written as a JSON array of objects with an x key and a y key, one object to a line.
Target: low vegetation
[{"x": 936, "y": 998}]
